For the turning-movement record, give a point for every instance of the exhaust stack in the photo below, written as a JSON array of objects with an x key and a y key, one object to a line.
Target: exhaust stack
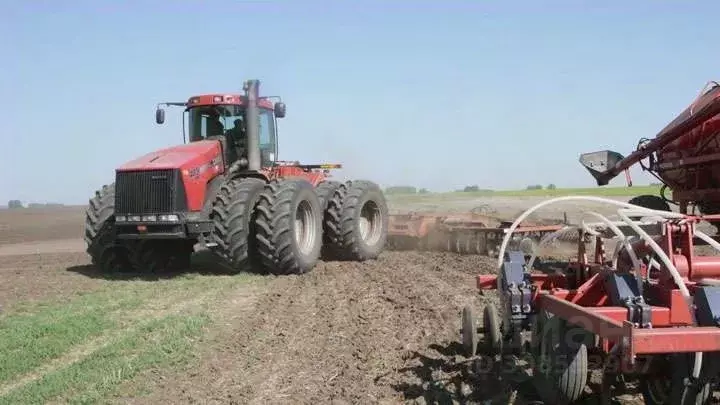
[{"x": 251, "y": 88}]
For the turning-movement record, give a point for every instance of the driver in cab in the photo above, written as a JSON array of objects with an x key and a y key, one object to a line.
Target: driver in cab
[{"x": 236, "y": 137}]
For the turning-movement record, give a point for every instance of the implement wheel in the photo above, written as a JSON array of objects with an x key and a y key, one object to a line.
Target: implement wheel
[
  {"x": 491, "y": 330},
  {"x": 561, "y": 363},
  {"x": 676, "y": 386},
  {"x": 469, "y": 332}
]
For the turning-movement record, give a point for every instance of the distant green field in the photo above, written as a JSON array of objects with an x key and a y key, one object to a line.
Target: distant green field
[{"x": 558, "y": 192}]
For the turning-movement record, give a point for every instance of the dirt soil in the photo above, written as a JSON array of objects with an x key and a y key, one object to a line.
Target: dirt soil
[
  {"x": 384, "y": 331},
  {"x": 350, "y": 332},
  {"x": 40, "y": 224}
]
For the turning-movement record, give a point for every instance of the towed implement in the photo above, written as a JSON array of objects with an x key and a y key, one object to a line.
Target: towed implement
[
  {"x": 226, "y": 191},
  {"x": 464, "y": 233},
  {"x": 643, "y": 303}
]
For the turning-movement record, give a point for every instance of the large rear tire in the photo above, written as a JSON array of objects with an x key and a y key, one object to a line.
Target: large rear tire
[
  {"x": 289, "y": 227},
  {"x": 233, "y": 228},
  {"x": 325, "y": 192},
  {"x": 357, "y": 221},
  {"x": 106, "y": 253},
  {"x": 649, "y": 201}
]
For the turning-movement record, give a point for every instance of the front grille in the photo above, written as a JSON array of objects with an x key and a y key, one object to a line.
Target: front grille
[{"x": 149, "y": 192}]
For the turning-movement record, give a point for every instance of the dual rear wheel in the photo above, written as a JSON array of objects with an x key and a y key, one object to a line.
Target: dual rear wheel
[{"x": 286, "y": 226}]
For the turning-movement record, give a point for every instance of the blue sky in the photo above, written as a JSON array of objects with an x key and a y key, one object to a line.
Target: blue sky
[{"x": 434, "y": 94}]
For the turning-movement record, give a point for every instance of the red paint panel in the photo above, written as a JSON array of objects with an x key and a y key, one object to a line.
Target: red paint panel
[
  {"x": 175, "y": 157},
  {"x": 486, "y": 282},
  {"x": 660, "y": 316},
  {"x": 198, "y": 162},
  {"x": 679, "y": 313},
  {"x": 596, "y": 323},
  {"x": 675, "y": 340}
]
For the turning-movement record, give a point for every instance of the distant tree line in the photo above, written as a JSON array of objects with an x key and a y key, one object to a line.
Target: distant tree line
[
  {"x": 475, "y": 189},
  {"x": 17, "y": 204}
]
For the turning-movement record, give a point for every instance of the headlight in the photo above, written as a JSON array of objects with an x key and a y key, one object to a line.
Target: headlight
[
  {"x": 169, "y": 218},
  {"x": 120, "y": 218},
  {"x": 149, "y": 218},
  {"x": 135, "y": 218}
]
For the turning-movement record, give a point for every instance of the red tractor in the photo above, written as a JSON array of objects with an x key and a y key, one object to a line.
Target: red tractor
[{"x": 225, "y": 190}]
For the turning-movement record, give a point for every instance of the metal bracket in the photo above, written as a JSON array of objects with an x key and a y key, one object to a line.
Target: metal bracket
[
  {"x": 639, "y": 312},
  {"x": 516, "y": 288},
  {"x": 624, "y": 290}
]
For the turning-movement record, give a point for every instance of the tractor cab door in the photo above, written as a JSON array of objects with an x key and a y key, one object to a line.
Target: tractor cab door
[
  {"x": 268, "y": 137},
  {"x": 206, "y": 124}
]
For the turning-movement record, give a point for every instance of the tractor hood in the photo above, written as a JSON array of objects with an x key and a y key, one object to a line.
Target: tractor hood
[{"x": 175, "y": 157}]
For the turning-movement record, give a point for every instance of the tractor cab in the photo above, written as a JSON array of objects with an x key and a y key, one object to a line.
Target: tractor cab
[{"x": 225, "y": 118}]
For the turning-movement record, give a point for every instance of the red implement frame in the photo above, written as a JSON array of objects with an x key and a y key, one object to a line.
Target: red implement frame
[{"x": 579, "y": 296}]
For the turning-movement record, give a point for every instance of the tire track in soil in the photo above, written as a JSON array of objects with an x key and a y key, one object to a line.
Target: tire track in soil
[{"x": 357, "y": 332}]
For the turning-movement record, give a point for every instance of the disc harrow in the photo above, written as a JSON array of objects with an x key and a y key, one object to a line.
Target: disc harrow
[{"x": 464, "y": 233}]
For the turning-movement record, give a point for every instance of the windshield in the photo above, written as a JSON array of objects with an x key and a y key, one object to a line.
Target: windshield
[
  {"x": 214, "y": 120},
  {"x": 229, "y": 121}
]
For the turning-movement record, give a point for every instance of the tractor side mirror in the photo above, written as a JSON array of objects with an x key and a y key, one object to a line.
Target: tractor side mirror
[
  {"x": 280, "y": 109},
  {"x": 160, "y": 116}
]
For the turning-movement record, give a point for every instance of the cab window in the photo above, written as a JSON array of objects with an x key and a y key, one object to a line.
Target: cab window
[{"x": 267, "y": 136}]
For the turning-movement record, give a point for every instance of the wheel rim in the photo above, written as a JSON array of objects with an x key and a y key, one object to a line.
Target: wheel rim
[
  {"x": 305, "y": 231},
  {"x": 369, "y": 223}
]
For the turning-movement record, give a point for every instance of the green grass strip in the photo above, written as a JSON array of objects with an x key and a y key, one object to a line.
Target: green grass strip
[
  {"x": 28, "y": 340},
  {"x": 165, "y": 342}
]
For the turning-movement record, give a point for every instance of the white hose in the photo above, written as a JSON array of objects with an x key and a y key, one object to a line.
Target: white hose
[
  {"x": 546, "y": 240},
  {"x": 624, "y": 212},
  {"x": 534, "y": 208},
  {"x": 624, "y": 239},
  {"x": 710, "y": 241},
  {"x": 587, "y": 228},
  {"x": 676, "y": 277}
]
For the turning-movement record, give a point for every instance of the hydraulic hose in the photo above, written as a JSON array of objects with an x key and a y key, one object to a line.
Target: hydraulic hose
[
  {"x": 624, "y": 239},
  {"x": 697, "y": 365},
  {"x": 624, "y": 211},
  {"x": 534, "y": 208}
]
